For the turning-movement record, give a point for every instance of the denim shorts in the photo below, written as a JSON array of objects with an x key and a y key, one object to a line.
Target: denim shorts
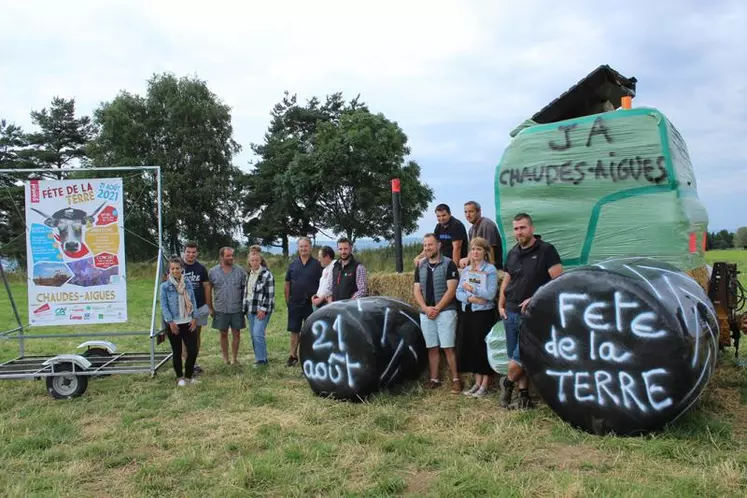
[
  {"x": 512, "y": 325},
  {"x": 441, "y": 331}
]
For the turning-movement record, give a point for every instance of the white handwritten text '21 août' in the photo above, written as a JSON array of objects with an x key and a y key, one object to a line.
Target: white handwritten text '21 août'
[{"x": 338, "y": 367}]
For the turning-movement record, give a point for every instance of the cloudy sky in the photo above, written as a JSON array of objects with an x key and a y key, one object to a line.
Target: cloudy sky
[{"x": 456, "y": 75}]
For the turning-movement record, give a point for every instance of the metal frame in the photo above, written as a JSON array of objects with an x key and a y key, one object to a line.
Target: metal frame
[{"x": 33, "y": 367}]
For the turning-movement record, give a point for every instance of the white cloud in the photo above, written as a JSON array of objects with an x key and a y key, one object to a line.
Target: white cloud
[{"x": 457, "y": 76}]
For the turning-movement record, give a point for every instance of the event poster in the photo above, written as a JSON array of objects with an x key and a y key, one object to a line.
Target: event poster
[{"x": 75, "y": 249}]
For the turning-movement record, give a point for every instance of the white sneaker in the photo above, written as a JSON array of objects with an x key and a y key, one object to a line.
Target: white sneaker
[
  {"x": 181, "y": 383},
  {"x": 193, "y": 381}
]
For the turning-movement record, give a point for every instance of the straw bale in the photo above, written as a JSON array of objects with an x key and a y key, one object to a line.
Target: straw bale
[
  {"x": 396, "y": 285},
  {"x": 701, "y": 276}
]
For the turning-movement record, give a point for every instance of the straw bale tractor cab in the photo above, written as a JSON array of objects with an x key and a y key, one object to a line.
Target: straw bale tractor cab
[{"x": 627, "y": 338}]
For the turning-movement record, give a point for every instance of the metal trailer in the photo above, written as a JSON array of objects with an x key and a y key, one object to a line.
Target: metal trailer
[{"x": 67, "y": 375}]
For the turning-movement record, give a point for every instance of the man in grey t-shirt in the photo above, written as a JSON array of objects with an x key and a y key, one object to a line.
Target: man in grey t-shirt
[
  {"x": 485, "y": 228},
  {"x": 226, "y": 299}
]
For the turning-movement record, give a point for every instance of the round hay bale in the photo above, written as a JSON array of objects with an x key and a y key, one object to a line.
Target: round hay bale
[
  {"x": 624, "y": 347},
  {"x": 352, "y": 348}
]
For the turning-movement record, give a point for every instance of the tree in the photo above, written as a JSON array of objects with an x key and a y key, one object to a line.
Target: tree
[
  {"x": 281, "y": 203},
  {"x": 61, "y": 139},
  {"x": 724, "y": 239},
  {"x": 740, "y": 238},
  {"x": 12, "y": 219},
  {"x": 351, "y": 166},
  {"x": 181, "y": 126}
]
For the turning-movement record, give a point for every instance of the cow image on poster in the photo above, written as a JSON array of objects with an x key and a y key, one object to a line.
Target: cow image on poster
[
  {"x": 352, "y": 348},
  {"x": 625, "y": 346},
  {"x": 69, "y": 223}
]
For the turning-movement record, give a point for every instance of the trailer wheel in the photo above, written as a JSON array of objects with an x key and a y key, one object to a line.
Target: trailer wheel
[
  {"x": 94, "y": 355},
  {"x": 66, "y": 386},
  {"x": 96, "y": 352}
]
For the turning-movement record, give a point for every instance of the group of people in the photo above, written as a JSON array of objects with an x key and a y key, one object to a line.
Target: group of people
[
  {"x": 456, "y": 287},
  {"x": 235, "y": 297}
]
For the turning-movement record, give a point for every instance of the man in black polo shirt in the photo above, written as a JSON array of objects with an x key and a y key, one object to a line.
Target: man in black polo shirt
[
  {"x": 301, "y": 283},
  {"x": 530, "y": 264},
  {"x": 451, "y": 234}
]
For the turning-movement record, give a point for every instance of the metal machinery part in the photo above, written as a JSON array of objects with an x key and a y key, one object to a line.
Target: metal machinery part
[{"x": 728, "y": 296}]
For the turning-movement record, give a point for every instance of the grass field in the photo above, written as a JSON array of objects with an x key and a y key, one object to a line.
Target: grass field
[{"x": 248, "y": 432}]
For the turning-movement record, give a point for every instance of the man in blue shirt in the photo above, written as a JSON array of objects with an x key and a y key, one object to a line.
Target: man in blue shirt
[{"x": 301, "y": 284}]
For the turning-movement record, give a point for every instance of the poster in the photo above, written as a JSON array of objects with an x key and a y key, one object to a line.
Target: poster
[
  {"x": 75, "y": 249},
  {"x": 477, "y": 279}
]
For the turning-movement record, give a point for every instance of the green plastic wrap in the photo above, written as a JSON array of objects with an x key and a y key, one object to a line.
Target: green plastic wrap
[
  {"x": 615, "y": 184},
  {"x": 496, "y": 348}
]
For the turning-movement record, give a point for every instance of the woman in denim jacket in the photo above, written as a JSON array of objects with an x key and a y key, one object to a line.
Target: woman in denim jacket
[
  {"x": 478, "y": 286},
  {"x": 178, "y": 306}
]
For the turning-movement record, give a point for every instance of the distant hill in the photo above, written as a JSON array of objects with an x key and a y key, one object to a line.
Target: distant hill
[{"x": 360, "y": 244}]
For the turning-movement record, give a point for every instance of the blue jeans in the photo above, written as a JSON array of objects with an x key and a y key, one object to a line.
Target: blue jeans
[
  {"x": 512, "y": 325},
  {"x": 257, "y": 328}
]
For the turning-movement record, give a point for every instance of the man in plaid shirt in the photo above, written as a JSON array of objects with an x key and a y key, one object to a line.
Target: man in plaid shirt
[{"x": 259, "y": 303}]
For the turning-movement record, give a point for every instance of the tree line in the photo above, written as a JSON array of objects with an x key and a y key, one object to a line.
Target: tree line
[
  {"x": 324, "y": 167},
  {"x": 724, "y": 239}
]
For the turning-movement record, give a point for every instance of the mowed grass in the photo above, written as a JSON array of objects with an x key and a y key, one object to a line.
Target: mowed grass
[{"x": 247, "y": 432}]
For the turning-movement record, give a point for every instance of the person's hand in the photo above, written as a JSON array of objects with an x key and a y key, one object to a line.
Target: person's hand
[
  {"x": 193, "y": 325},
  {"x": 503, "y": 314},
  {"x": 261, "y": 315},
  {"x": 477, "y": 300},
  {"x": 463, "y": 263},
  {"x": 524, "y": 304},
  {"x": 468, "y": 287},
  {"x": 432, "y": 312},
  {"x": 174, "y": 329}
]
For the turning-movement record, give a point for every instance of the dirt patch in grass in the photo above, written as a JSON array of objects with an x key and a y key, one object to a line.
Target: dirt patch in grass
[
  {"x": 568, "y": 457},
  {"x": 419, "y": 482}
]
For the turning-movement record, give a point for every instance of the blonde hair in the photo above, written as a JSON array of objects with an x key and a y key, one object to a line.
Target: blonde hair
[{"x": 482, "y": 244}]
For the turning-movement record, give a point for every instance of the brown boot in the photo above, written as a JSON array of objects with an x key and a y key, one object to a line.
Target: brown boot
[
  {"x": 456, "y": 386},
  {"x": 432, "y": 384}
]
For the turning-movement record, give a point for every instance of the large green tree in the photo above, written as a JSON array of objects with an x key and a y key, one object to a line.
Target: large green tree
[
  {"x": 12, "y": 219},
  {"x": 61, "y": 138},
  {"x": 351, "y": 165},
  {"x": 183, "y": 127},
  {"x": 327, "y": 166},
  {"x": 281, "y": 203}
]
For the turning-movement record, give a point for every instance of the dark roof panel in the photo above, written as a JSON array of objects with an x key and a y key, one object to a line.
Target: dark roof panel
[{"x": 589, "y": 96}]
